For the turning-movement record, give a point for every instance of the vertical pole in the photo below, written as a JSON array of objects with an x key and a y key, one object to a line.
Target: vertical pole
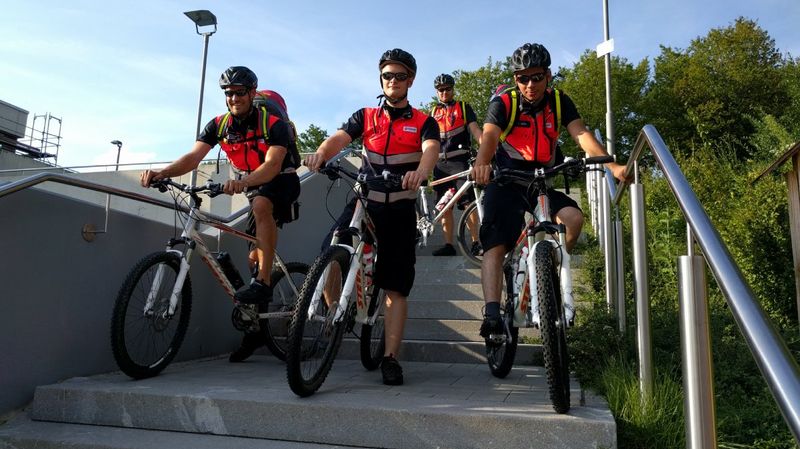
[
  {"x": 608, "y": 246},
  {"x": 793, "y": 183},
  {"x": 620, "y": 282},
  {"x": 642, "y": 295},
  {"x": 696, "y": 352},
  {"x": 193, "y": 179},
  {"x": 610, "y": 132}
]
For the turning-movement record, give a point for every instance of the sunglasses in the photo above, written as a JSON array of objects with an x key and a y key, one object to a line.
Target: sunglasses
[
  {"x": 444, "y": 89},
  {"x": 238, "y": 93},
  {"x": 536, "y": 77},
  {"x": 388, "y": 76}
]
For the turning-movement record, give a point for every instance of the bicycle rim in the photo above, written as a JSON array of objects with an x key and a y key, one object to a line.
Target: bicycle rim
[
  {"x": 464, "y": 237},
  {"x": 276, "y": 329},
  {"x": 314, "y": 337},
  {"x": 501, "y": 357},
  {"x": 145, "y": 339},
  {"x": 553, "y": 327},
  {"x": 373, "y": 342}
]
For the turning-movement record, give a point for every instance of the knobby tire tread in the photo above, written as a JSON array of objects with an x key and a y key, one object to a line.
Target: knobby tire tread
[{"x": 279, "y": 349}]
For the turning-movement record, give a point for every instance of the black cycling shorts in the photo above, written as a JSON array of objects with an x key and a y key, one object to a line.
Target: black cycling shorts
[
  {"x": 504, "y": 210},
  {"x": 449, "y": 167},
  {"x": 283, "y": 192},
  {"x": 396, "y": 230}
]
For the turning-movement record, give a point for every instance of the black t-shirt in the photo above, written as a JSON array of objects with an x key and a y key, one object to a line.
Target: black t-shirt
[{"x": 354, "y": 126}]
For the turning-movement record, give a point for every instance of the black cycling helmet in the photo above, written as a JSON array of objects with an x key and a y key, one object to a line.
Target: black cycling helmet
[
  {"x": 444, "y": 80},
  {"x": 401, "y": 57},
  {"x": 238, "y": 76},
  {"x": 530, "y": 55}
]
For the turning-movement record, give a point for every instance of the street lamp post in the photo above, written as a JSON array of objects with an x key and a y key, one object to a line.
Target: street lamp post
[
  {"x": 119, "y": 149},
  {"x": 202, "y": 18}
]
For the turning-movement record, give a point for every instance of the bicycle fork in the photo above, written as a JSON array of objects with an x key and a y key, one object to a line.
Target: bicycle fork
[
  {"x": 562, "y": 260},
  {"x": 152, "y": 296}
]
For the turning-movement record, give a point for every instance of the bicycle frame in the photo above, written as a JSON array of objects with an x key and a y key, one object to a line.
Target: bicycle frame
[
  {"x": 191, "y": 238},
  {"x": 426, "y": 223}
]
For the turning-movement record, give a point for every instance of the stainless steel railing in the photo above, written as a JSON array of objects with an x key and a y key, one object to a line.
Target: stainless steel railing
[{"x": 772, "y": 356}]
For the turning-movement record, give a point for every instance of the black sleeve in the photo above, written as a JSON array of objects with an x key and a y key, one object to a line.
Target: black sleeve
[
  {"x": 209, "y": 133},
  {"x": 568, "y": 110},
  {"x": 430, "y": 130},
  {"x": 497, "y": 114},
  {"x": 354, "y": 126},
  {"x": 471, "y": 117},
  {"x": 279, "y": 134}
]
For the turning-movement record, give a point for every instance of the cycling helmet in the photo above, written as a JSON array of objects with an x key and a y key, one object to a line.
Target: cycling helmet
[
  {"x": 444, "y": 80},
  {"x": 238, "y": 76},
  {"x": 530, "y": 55},
  {"x": 401, "y": 57}
]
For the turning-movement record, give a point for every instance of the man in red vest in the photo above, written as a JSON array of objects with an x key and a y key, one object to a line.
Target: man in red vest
[
  {"x": 259, "y": 151},
  {"x": 457, "y": 123},
  {"x": 529, "y": 143},
  {"x": 405, "y": 141}
]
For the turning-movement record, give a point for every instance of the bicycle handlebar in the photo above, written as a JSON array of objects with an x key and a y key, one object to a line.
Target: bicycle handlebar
[
  {"x": 212, "y": 188},
  {"x": 386, "y": 179},
  {"x": 570, "y": 167}
]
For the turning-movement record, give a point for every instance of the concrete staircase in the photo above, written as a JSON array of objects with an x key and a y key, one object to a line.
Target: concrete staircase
[{"x": 449, "y": 400}]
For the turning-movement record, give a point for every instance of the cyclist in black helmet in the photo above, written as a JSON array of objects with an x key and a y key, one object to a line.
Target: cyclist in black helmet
[
  {"x": 457, "y": 123},
  {"x": 526, "y": 143},
  {"x": 256, "y": 144},
  {"x": 405, "y": 141}
]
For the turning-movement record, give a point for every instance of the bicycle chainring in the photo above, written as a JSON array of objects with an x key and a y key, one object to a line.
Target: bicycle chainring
[{"x": 245, "y": 318}]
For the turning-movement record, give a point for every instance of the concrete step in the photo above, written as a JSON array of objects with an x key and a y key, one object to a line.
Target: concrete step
[
  {"x": 452, "y": 330},
  {"x": 23, "y": 433},
  {"x": 440, "y": 405},
  {"x": 447, "y": 352}
]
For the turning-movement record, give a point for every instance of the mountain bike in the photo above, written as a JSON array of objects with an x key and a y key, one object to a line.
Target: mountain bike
[
  {"x": 151, "y": 312},
  {"x": 326, "y": 308},
  {"x": 538, "y": 282},
  {"x": 428, "y": 217}
]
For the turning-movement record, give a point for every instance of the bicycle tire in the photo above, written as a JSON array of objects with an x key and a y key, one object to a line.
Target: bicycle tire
[
  {"x": 373, "y": 339},
  {"x": 501, "y": 358},
  {"x": 276, "y": 330},
  {"x": 464, "y": 238},
  {"x": 310, "y": 356},
  {"x": 553, "y": 326},
  {"x": 136, "y": 354}
]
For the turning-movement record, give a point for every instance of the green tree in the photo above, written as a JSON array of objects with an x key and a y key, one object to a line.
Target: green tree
[
  {"x": 309, "y": 140},
  {"x": 583, "y": 84}
]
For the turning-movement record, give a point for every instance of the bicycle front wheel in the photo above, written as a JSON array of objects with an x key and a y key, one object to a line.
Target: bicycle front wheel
[
  {"x": 553, "y": 326},
  {"x": 145, "y": 336},
  {"x": 284, "y": 296},
  {"x": 464, "y": 239},
  {"x": 373, "y": 341},
  {"x": 314, "y": 337}
]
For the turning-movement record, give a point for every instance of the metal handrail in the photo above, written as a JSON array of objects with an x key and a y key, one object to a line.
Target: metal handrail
[
  {"x": 39, "y": 178},
  {"x": 770, "y": 352}
]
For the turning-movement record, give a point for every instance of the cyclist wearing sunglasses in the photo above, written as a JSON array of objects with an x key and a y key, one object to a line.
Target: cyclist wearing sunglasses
[
  {"x": 405, "y": 141},
  {"x": 457, "y": 123},
  {"x": 526, "y": 142},
  {"x": 257, "y": 144}
]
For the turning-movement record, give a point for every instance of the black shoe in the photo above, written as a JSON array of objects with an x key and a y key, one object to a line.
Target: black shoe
[
  {"x": 255, "y": 293},
  {"x": 476, "y": 249},
  {"x": 250, "y": 343},
  {"x": 446, "y": 250},
  {"x": 491, "y": 326},
  {"x": 392, "y": 371}
]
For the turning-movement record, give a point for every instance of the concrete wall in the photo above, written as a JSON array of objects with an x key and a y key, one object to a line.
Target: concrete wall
[{"x": 57, "y": 290}]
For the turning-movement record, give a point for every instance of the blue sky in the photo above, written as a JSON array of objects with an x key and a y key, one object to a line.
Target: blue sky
[{"x": 131, "y": 70}]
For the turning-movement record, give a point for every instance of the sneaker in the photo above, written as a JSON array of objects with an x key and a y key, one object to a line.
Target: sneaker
[
  {"x": 446, "y": 250},
  {"x": 477, "y": 249},
  {"x": 255, "y": 293},
  {"x": 250, "y": 343},
  {"x": 392, "y": 371}
]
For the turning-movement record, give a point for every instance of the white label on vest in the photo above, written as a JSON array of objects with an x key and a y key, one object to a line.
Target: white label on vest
[{"x": 410, "y": 129}]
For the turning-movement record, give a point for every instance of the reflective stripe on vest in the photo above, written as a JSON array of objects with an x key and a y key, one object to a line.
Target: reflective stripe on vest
[
  {"x": 393, "y": 142},
  {"x": 383, "y": 197},
  {"x": 249, "y": 153},
  {"x": 452, "y": 121}
]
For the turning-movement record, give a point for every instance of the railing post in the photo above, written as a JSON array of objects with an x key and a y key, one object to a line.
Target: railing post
[
  {"x": 696, "y": 352},
  {"x": 620, "y": 272},
  {"x": 608, "y": 245},
  {"x": 641, "y": 293}
]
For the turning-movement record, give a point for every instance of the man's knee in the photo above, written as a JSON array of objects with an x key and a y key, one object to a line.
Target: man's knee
[
  {"x": 262, "y": 208},
  {"x": 571, "y": 217}
]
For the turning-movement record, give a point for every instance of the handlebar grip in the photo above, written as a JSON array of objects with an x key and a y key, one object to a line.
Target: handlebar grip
[{"x": 599, "y": 159}]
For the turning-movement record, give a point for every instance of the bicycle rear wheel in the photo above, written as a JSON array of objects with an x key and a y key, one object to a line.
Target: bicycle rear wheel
[
  {"x": 553, "y": 326},
  {"x": 314, "y": 337},
  {"x": 373, "y": 341},
  {"x": 500, "y": 356},
  {"x": 145, "y": 337},
  {"x": 464, "y": 237},
  {"x": 284, "y": 298}
]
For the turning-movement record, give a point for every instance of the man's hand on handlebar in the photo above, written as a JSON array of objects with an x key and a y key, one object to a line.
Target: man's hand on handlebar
[
  {"x": 234, "y": 186},
  {"x": 481, "y": 173},
  {"x": 413, "y": 180},
  {"x": 314, "y": 161},
  {"x": 148, "y": 176}
]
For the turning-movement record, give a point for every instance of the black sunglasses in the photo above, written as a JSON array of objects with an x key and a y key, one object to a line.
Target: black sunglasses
[
  {"x": 445, "y": 89},
  {"x": 238, "y": 92},
  {"x": 400, "y": 76},
  {"x": 536, "y": 77}
]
